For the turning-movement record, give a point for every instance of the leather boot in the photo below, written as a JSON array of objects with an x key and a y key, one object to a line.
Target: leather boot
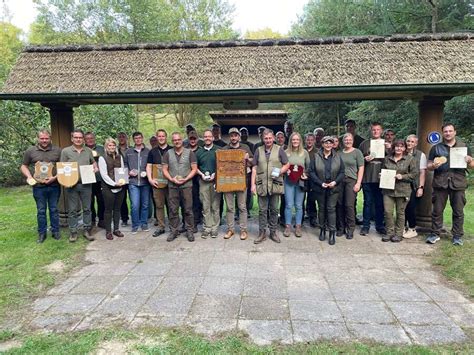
[
  {"x": 287, "y": 231},
  {"x": 322, "y": 234},
  {"x": 274, "y": 237},
  {"x": 261, "y": 237},
  {"x": 332, "y": 237},
  {"x": 298, "y": 231}
]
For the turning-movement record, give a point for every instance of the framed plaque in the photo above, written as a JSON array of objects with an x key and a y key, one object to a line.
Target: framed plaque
[
  {"x": 157, "y": 174},
  {"x": 68, "y": 173},
  {"x": 121, "y": 176},
  {"x": 43, "y": 171},
  {"x": 231, "y": 170}
]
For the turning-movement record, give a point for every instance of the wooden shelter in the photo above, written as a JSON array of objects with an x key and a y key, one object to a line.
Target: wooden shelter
[{"x": 427, "y": 68}]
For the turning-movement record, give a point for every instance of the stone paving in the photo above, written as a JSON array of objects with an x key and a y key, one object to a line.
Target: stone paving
[{"x": 298, "y": 291}]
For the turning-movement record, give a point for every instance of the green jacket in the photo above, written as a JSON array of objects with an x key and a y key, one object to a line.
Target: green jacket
[{"x": 405, "y": 166}]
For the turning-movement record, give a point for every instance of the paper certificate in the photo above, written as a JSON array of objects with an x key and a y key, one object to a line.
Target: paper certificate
[
  {"x": 377, "y": 148},
  {"x": 387, "y": 179},
  {"x": 457, "y": 157},
  {"x": 87, "y": 174}
]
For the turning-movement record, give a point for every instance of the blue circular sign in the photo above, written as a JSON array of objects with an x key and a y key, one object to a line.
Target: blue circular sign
[{"x": 434, "y": 137}]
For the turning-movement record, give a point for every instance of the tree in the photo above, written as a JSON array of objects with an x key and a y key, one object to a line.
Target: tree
[{"x": 263, "y": 33}]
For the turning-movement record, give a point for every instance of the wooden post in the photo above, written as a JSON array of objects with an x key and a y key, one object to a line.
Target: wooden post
[
  {"x": 62, "y": 124},
  {"x": 430, "y": 119}
]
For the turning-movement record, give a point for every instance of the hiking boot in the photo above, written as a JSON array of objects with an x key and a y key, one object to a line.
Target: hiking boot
[
  {"x": 386, "y": 238},
  {"x": 205, "y": 234},
  {"x": 109, "y": 236},
  {"x": 457, "y": 241},
  {"x": 172, "y": 236},
  {"x": 322, "y": 234},
  {"x": 182, "y": 230},
  {"x": 158, "y": 232},
  {"x": 261, "y": 237},
  {"x": 287, "y": 231},
  {"x": 396, "y": 239},
  {"x": 350, "y": 235},
  {"x": 190, "y": 236},
  {"x": 274, "y": 237},
  {"x": 410, "y": 233},
  {"x": 41, "y": 238},
  {"x": 118, "y": 233},
  {"x": 332, "y": 237},
  {"x": 88, "y": 234},
  {"x": 214, "y": 234},
  {"x": 73, "y": 237},
  {"x": 298, "y": 231},
  {"x": 229, "y": 234},
  {"x": 243, "y": 235},
  {"x": 57, "y": 235},
  {"x": 432, "y": 239},
  {"x": 364, "y": 231}
]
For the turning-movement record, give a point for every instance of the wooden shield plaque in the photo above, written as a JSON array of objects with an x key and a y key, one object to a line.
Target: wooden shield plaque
[
  {"x": 43, "y": 171},
  {"x": 157, "y": 174},
  {"x": 68, "y": 173},
  {"x": 231, "y": 170}
]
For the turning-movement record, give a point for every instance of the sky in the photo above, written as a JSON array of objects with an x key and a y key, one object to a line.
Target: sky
[{"x": 251, "y": 15}]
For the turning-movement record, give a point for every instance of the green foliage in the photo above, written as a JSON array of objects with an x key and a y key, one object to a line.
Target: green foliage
[{"x": 263, "y": 33}]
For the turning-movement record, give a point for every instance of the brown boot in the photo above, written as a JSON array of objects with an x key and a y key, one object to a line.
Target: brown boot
[
  {"x": 88, "y": 235},
  {"x": 243, "y": 234},
  {"x": 298, "y": 231},
  {"x": 229, "y": 234},
  {"x": 261, "y": 237},
  {"x": 274, "y": 237},
  {"x": 287, "y": 231}
]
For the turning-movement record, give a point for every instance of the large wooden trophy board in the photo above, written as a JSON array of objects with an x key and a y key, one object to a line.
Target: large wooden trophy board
[
  {"x": 68, "y": 173},
  {"x": 231, "y": 170},
  {"x": 157, "y": 174}
]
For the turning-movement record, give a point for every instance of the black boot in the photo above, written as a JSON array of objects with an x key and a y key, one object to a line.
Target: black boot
[
  {"x": 332, "y": 237},
  {"x": 322, "y": 234}
]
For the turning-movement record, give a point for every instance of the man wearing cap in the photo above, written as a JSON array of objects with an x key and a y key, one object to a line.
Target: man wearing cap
[
  {"x": 270, "y": 163},
  {"x": 197, "y": 205},
  {"x": 281, "y": 139},
  {"x": 234, "y": 135},
  {"x": 216, "y": 132},
  {"x": 46, "y": 193},
  {"x": 244, "y": 138},
  {"x": 260, "y": 135},
  {"x": 97, "y": 151},
  {"x": 190, "y": 128},
  {"x": 350, "y": 127},
  {"x": 210, "y": 199}
]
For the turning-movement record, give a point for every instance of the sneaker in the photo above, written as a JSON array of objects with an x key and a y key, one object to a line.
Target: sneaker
[
  {"x": 205, "y": 234},
  {"x": 410, "y": 233},
  {"x": 145, "y": 228},
  {"x": 134, "y": 230},
  {"x": 88, "y": 235},
  {"x": 214, "y": 234},
  {"x": 364, "y": 231},
  {"x": 432, "y": 238},
  {"x": 172, "y": 236},
  {"x": 158, "y": 232},
  {"x": 73, "y": 237},
  {"x": 457, "y": 241}
]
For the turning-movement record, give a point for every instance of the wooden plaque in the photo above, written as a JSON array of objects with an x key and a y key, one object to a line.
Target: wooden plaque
[
  {"x": 157, "y": 174},
  {"x": 43, "y": 171},
  {"x": 231, "y": 170},
  {"x": 68, "y": 173}
]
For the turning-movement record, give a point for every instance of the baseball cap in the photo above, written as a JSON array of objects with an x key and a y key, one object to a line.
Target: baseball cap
[
  {"x": 234, "y": 130},
  {"x": 327, "y": 138},
  {"x": 193, "y": 134}
]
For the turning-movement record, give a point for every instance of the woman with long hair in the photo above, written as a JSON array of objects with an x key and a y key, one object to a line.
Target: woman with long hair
[
  {"x": 406, "y": 171},
  {"x": 299, "y": 161}
]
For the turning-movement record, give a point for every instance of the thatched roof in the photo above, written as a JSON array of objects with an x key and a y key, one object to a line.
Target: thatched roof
[{"x": 325, "y": 68}]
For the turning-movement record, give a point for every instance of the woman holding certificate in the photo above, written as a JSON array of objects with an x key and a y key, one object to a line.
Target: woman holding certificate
[
  {"x": 109, "y": 166},
  {"x": 327, "y": 173},
  {"x": 399, "y": 171},
  {"x": 299, "y": 161}
]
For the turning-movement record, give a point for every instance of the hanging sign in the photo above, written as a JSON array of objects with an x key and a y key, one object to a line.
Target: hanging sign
[{"x": 434, "y": 137}]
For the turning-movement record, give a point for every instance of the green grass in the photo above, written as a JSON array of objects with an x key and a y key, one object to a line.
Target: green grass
[
  {"x": 157, "y": 341},
  {"x": 22, "y": 260}
]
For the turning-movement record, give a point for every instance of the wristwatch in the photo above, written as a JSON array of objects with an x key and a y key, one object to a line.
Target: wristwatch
[{"x": 421, "y": 187}]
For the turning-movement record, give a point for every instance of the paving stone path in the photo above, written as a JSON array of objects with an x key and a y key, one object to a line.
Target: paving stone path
[{"x": 298, "y": 291}]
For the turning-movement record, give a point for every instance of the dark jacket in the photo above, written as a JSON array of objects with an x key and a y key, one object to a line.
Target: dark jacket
[{"x": 326, "y": 170}]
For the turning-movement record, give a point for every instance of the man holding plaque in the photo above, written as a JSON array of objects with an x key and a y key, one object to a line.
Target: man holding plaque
[
  {"x": 210, "y": 199},
  {"x": 154, "y": 171},
  {"x": 373, "y": 150},
  {"x": 270, "y": 164},
  {"x": 97, "y": 151},
  {"x": 46, "y": 190},
  {"x": 79, "y": 195},
  {"x": 449, "y": 181},
  {"x": 179, "y": 167},
  {"x": 234, "y": 135}
]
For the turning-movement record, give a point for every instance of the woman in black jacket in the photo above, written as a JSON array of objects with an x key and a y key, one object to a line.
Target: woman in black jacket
[{"x": 326, "y": 173}]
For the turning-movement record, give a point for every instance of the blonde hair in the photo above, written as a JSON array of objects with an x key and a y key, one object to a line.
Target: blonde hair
[
  {"x": 108, "y": 141},
  {"x": 300, "y": 150}
]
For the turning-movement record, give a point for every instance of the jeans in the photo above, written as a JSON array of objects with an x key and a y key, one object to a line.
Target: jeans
[
  {"x": 373, "y": 196},
  {"x": 139, "y": 199},
  {"x": 78, "y": 197},
  {"x": 294, "y": 197},
  {"x": 47, "y": 197}
]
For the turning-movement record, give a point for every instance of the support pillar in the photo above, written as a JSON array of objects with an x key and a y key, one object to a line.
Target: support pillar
[
  {"x": 430, "y": 119},
  {"x": 62, "y": 124}
]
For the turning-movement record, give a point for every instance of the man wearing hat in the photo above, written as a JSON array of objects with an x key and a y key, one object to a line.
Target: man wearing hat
[
  {"x": 244, "y": 136},
  {"x": 190, "y": 128},
  {"x": 234, "y": 143},
  {"x": 216, "y": 132},
  {"x": 260, "y": 134}
]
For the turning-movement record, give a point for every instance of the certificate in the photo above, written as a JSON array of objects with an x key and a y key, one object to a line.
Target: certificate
[
  {"x": 457, "y": 157},
  {"x": 87, "y": 174},
  {"x": 377, "y": 148},
  {"x": 387, "y": 179}
]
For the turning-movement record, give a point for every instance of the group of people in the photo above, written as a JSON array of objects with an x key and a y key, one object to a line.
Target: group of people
[{"x": 292, "y": 175}]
